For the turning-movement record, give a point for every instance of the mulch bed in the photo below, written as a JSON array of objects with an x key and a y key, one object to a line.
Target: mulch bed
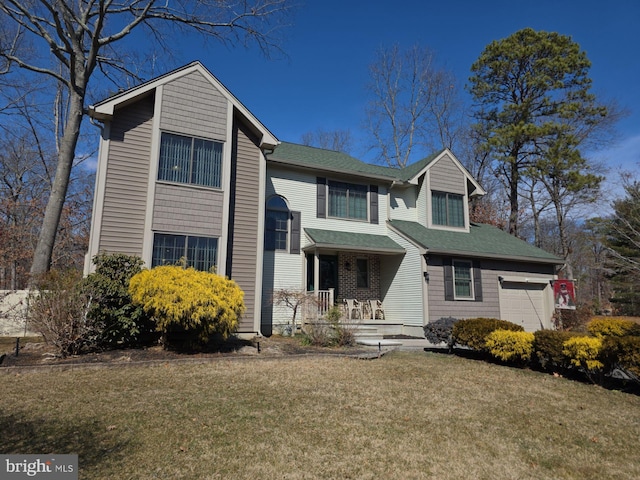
[{"x": 42, "y": 354}]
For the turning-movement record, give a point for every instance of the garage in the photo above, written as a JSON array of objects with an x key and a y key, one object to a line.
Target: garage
[{"x": 525, "y": 302}]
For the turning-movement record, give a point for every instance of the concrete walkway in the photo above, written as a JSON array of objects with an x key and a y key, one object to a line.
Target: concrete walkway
[{"x": 400, "y": 343}]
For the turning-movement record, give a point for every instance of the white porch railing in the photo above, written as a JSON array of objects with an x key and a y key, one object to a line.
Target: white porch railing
[{"x": 321, "y": 302}]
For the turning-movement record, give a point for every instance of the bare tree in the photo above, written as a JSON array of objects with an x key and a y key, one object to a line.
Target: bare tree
[
  {"x": 414, "y": 106},
  {"x": 81, "y": 40},
  {"x": 338, "y": 140}
]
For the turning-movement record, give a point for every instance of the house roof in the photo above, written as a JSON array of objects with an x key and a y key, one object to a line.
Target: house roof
[
  {"x": 329, "y": 160},
  {"x": 482, "y": 241},
  {"x": 331, "y": 239},
  {"x": 104, "y": 109},
  {"x": 320, "y": 159}
]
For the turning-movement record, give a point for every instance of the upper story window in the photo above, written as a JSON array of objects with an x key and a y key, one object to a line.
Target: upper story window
[
  {"x": 348, "y": 200},
  {"x": 190, "y": 160},
  {"x": 199, "y": 252},
  {"x": 447, "y": 209},
  {"x": 277, "y": 224}
]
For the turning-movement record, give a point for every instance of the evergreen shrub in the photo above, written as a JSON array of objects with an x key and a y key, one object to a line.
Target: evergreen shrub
[
  {"x": 510, "y": 346},
  {"x": 583, "y": 351},
  {"x": 548, "y": 346},
  {"x": 116, "y": 321},
  {"x": 612, "y": 327},
  {"x": 440, "y": 331},
  {"x": 473, "y": 332},
  {"x": 622, "y": 352},
  {"x": 188, "y": 302}
]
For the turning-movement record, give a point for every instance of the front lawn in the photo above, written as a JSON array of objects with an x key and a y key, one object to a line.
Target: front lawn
[{"x": 406, "y": 415}]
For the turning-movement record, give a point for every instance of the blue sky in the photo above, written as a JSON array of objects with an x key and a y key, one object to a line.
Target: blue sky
[{"x": 321, "y": 82}]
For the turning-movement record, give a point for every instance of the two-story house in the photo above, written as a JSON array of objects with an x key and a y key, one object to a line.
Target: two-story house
[{"x": 185, "y": 170}]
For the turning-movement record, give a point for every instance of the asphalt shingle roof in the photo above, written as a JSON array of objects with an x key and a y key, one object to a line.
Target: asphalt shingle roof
[
  {"x": 353, "y": 241},
  {"x": 319, "y": 158},
  {"x": 481, "y": 241}
]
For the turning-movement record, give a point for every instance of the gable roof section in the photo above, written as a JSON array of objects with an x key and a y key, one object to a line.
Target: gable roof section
[
  {"x": 104, "y": 109},
  {"x": 482, "y": 241},
  {"x": 331, "y": 239},
  {"x": 328, "y": 160},
  {"x": 412, "y": 172}
]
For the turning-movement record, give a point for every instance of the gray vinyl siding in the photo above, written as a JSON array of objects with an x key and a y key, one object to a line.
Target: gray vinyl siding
[
  {"x": 245, "y": 224},
  {"x": 192, "y": 106},
  {"x": 447, "y": 177},
  {"x": 187, "y": 210},
  {"x": 126, "y": 183},
  {"x": 490, "y": 304}
]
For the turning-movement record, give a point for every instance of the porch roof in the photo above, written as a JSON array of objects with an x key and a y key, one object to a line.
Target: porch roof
[
  {"x": 350, "y": 241},
  {"x": 482, "y": 241}
]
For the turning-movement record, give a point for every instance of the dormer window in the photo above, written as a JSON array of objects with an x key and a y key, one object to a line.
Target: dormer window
[{"x": 447, "y": 209}]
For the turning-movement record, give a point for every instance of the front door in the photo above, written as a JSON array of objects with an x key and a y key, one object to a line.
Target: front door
[{"x": 328, "y": 274}]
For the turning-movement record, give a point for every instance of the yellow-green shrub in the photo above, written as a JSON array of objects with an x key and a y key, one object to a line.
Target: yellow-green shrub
[
  {"x": 612, "y": 327},
  {"x": 472, "y": 332},
  {"x": 188, "y": 300},
  {"x": 548, "y": 346},
  {"x": 508, "y": 345},
  {"x": 622, "y": 352},
  {"x": 584, "y": 352}
]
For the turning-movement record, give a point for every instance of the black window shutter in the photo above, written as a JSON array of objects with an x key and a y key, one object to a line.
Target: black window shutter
[
  {"x": 294, "y": 243},
  {"x": 373, "y": 203},
  {"x": 322, "y": 197},
  {"x": 477, "y": 280},
  {"x": 448, "y": 279}
]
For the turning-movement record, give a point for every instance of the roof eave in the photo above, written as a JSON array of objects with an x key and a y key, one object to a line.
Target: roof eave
[
  {"x": 305, "y": 166},
  {"x": 517, "y": 258},
  {"x": 352, "y": 248}
]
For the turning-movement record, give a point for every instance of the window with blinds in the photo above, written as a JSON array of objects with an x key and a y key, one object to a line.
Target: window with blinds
[
  {"x": 447, "y": 209},
  {"x": 190, "y": 160}
]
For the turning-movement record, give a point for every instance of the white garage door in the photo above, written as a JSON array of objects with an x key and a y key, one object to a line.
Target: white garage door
[{"x": 523, "y": 304}]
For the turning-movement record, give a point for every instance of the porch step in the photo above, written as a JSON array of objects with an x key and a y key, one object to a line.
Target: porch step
[{"x": 365, "y": 331}]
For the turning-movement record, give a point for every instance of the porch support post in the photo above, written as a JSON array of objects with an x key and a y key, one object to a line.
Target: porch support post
[
  {"x": 316, "y": 271},
  {"x": 425, "y": 290}
]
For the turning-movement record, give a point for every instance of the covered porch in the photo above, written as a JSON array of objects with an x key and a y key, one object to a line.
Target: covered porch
[{"x": 344, "y": 269}]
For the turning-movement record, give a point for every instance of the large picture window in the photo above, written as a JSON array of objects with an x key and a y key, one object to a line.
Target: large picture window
[
  {"x": 463, "y": 279},
  {"x": 347, "y": 200},
  {"x": 199, "y": 252},
  {"x": 447, "y": 209},
  {"x": 190, "y": 160}
]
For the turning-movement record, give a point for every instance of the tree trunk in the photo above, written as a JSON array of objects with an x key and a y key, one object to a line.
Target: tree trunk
[
  {"x": 513, "y": 198},
  {"x": 47, "y": 237}
]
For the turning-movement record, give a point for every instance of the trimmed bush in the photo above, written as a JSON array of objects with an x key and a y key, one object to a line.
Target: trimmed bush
[
  {"x": 584, "y": 352},
  {"x": 473, "y": 332},
  {"x": 440, "y": 331},
  {"x": 116, "y": 320},
  {"x": 622, "y": 352},
  {"x": 548, "y": 346},
  {"x": 187, "y": 301},
  {"x": 510, "y": 346},
  {"x": 612, "y": 327}
]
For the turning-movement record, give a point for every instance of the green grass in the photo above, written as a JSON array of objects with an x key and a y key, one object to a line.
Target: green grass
[{"x": 406, "y": 415}]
